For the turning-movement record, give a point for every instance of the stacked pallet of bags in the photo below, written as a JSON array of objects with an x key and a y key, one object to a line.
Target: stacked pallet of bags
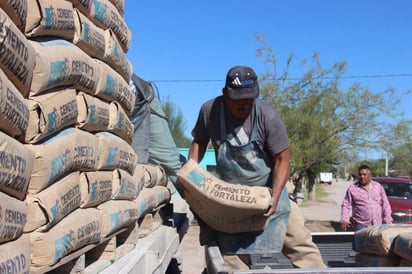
[
  {"x": 69, "y": 174},
  {"x": 384, "y": 245}
]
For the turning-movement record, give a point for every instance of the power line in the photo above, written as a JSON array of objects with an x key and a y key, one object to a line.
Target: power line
[{"x": 296, "y": 79}]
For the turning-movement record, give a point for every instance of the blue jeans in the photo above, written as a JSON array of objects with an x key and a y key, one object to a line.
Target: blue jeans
[{"x": 359, "y": 227}]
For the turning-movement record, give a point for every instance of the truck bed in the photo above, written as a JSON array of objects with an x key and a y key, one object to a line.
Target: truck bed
[{"x": 335, "y": 247}]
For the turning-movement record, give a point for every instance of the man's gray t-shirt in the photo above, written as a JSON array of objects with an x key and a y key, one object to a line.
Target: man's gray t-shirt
[{"x": 271, "y": 134}]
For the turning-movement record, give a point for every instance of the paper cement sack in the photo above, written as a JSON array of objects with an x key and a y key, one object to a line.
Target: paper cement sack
[
  {"x": 52, "y": 204},
  {"x": 17, "y": 62},
  {"x": 94, "y": 113},
  {"x": 13, "y": 216},
  {"x": 115, "y": 57},
  {"x": 69, "y": 150},
  {"x": 51, "y": 112},
  {"x": 61, "y": 63},
  {"x": 50, "y": 18},
  {"x": 96, "y": 187},
  {"x": 379, "y": 239},
  {"x": 105, "y": 15},
  {"x": 119, "y": 4},
  {"x": 15, "y": 256},
  {"x": 16, "y": 166},
  {"x": 112, "y": 87},
  {"x": 117, "y": 214},
  {"x": 151, "y": 198},
  {"x": 89, "y": 37},
  {"x": 119, "y": 123},
  {"x": 115, "y": 153},
  {"x": 16, "y": 10},
  {"x": 14, "y": 109},
  {"x": 223, "y": 206},
  {"x": 80, "y": 228},
  {"x": 125, "y": 187},
  {"x": 154, "y": 175},
  {"x": 403, "y": 245}
]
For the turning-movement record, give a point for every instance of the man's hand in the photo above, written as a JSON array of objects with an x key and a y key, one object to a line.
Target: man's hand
[
  {"x": 345, "y": 225},
  {"x": 272, "y": 208}
]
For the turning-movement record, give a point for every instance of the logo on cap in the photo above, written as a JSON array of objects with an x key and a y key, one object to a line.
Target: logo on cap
[{"x": 237, "y": 82}]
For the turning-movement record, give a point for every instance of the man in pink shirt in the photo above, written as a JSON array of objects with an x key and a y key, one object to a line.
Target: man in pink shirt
[{"x": 368, "y": 202}]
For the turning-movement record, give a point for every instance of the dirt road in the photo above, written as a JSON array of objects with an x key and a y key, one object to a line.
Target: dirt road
[{"x": 329, "y": 208}]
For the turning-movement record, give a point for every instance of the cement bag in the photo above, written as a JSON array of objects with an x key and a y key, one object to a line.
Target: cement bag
[
  {"x": 80, "y": 228},
  {"x": 94, "y": 113},
  {"x": 14, "y": 109},
  {"x": 403, "y": 245},
  {"x": 105, "y": 15},
  {"x": 61, "y": 63},
  {"x": 119, "y": 4},
  {"x": 17, "y": 11},
  {"x": 115, "y": 153},
  {"x": 13, "y": 216},
  {"x": 115, "y": 57},
  {"x": 96, "y": 187},
  {"x": 15, "y": 256},
  {"x": 84, "y": 6},
  {"x": 17, "y": 62},
  {"x": 67, "y": 151},
  {"x": 223, "y": 206},
  {"x": 88, "y": 36},
  {"x": 140, "y": 116},
  {"x": 154, "y": 175},
  {"x": 117, "y": 214},
  {"x": 367, "y": 260},
  {"x": 112, "y": 87},
  {"x": 119, "y": 123},
  {"x": 379, "y": 239},
  {"x": 139, "y": 175},
  {"x": 50, "y": 18},
  {"x": 51, "y": 112},
  {"x": 162, "y": 147},
  {"x": 149, "y": 199},
  {"x": 125, "y": 187},
  {"x": 16, "y": 166},
  {"x": 48, "y": 207}
]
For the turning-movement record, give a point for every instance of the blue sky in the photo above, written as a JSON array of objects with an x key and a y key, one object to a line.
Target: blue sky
[{"x": 186, "y": 47}]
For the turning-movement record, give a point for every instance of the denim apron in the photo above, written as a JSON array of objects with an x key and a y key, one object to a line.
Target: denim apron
[{"x": 249, "y": 165}]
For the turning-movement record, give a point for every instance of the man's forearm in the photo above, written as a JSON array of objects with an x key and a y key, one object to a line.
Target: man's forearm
[
  {"x": 197, "y": 151},
  {"x": 281, "y": 171}
]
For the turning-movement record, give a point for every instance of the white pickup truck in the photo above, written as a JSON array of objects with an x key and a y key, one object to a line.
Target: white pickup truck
[{"x": 326, "y": 177}]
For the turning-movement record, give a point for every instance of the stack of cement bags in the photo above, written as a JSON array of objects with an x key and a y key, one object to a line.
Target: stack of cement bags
[
  {"x": 69, "y": 175},
  {"x": 384, "y": 245}
]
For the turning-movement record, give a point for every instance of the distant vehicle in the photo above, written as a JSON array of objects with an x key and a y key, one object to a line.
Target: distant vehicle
[
  {"x": 326, "y": 177},
  {"x": 399, "y": 192}
]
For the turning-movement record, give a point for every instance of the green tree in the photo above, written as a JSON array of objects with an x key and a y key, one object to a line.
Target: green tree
[
  {"x": 401, "y": 161},
  {"x": 176, "y": 122},
  {"x": 324, "y": 121}
]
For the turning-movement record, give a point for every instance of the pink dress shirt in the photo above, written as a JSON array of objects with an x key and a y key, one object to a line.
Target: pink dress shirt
[{"x": 369, "y": 207}]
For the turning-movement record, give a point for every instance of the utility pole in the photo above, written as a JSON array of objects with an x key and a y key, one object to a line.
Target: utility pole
[{"x": 386, "y": 163}]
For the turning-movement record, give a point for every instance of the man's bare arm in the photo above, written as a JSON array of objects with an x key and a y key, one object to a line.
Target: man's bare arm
[
  {"x": 197, "y": 151},
  {"x": 281, "y": 169}
]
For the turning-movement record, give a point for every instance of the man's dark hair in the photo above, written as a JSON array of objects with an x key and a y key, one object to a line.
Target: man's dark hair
[{"x": 364, "y": 167}]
